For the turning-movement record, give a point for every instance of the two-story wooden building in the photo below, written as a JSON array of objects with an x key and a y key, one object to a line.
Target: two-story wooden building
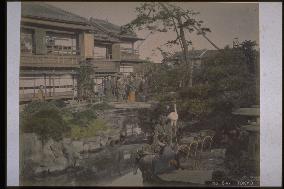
[{"x": 53, "y": 44}]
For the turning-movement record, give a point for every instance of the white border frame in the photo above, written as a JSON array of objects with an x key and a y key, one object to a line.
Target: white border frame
[
  {"x": 270, "y": 15},
  {"x": 13, "y": 61}
]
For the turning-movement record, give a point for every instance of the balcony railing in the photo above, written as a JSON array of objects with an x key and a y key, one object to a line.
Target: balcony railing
[
  {"x": 129, "y": 54},
  {"x": 62, "y": 50},
  {"x": 105, "y": 66},
  {"x": 49, "y": 60}
]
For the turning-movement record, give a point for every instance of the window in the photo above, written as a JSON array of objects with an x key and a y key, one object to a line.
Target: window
[
  {"x": 61, "y": 43},
  {"x": 27, "y": 41}
]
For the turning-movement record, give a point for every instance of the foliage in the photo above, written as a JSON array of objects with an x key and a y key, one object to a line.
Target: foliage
[
  {"x": 86, "y": 82},
  {"x": 58, "y": 103},
  {"x": 247, "y": 47},
  {"x": 91, "y": 129},
  {"x": 166, "y": 17},
  {"x": 51, "y": 122},
  {"x": 222, "y": 83},
  {"x": 82, "y": 118},
  {"x": 149, "y": 118},
  {"x": 47, "y": 122},
  {"x": 35, "y": 106},
  {"x": 162, "y": 79},
  {"x": 101, "y": 106}
]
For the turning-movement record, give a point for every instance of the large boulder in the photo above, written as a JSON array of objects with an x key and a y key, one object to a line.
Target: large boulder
[{"x": 51, "y": 156}]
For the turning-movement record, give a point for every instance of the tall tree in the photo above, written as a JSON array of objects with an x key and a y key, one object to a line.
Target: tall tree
[
  {"x": 166, "y": 17},
  {"x": 250, "y": 53}
]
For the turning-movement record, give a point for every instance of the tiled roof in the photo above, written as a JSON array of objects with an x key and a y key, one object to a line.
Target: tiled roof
[
  {"x": 45, "y": 11},
  {"x": 101, "y": 27},
  {"x": 106, "y": 25},
  {"x": 111, "y": 28}
]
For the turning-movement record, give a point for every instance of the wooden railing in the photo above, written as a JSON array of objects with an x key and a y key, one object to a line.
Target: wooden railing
[
  {"x": 105, "y": 66},
  {"x": 62, "y": 50},
  {"x": 49, "y": 60},
  {"x": 56, "y": 95},
  {"x": 129, "y": 54}
]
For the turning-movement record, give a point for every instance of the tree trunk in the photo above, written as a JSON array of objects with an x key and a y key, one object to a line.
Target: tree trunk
[{"x": 185, "y": 53}]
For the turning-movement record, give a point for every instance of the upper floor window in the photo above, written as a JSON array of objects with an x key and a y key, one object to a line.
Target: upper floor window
[
  {"x": 27, "y": 41},
  {"x": 59, "y": 43}
]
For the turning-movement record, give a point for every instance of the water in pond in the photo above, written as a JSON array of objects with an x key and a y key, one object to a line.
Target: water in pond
[{"x": 111, "y": 166}]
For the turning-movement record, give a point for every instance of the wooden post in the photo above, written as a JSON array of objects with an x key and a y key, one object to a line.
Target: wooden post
[
  {"x": 34, "y": 86},
  {"x": 53, "y": 86},
  {"x": 49, "y": 84},
  {"x": 73, "y": 83},
  {"x": 45, "y": 84},
  {"x": 132, "y": 47}
]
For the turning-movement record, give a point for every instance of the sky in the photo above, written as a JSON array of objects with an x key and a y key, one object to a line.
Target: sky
[{"x": 225, "y": 20}]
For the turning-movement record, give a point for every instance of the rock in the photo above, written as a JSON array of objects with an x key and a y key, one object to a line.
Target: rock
[
  {"x": 51, "y": 157},
  {"x": 78, "y": 146}
]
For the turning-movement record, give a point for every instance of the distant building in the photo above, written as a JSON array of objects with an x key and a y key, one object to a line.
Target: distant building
[
  {"x": 195, "y": 56},
  {"x": 55, "y": 42}
]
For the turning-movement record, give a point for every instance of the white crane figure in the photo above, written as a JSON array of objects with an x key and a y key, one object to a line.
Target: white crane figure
[{"x": 173, "y": 117}]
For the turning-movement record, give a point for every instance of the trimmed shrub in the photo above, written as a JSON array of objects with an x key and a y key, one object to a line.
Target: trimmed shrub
[{"x": 46, "y": 123}]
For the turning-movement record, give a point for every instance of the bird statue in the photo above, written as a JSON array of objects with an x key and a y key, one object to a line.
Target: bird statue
[{"x": 173, "y": 117}]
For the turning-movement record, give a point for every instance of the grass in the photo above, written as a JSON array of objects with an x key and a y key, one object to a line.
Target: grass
[{"x": 92, "y": 129}]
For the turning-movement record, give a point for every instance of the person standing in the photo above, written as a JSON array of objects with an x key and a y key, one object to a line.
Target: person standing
[
  {"x": 100, "y": 92},
  {"x": 120, "y": 89},
  {"x": 113, "y": 87},
  {"x": 126, "y": 88},
  {"x": 132, "y": 90},
  {"x": 108, "y": 89}
]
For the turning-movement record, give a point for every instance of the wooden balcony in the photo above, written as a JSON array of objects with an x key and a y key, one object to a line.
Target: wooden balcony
[
  {"x": 105, "y": 65},
  {"x": 49, "y": 60},
  {"x": 129, "y": 54}
]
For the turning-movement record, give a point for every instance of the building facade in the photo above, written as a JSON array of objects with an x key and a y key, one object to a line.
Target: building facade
[{"x": 55, "y": 42}]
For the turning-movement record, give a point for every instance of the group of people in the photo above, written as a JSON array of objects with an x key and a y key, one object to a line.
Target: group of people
[{"x": 123, "y": 88}]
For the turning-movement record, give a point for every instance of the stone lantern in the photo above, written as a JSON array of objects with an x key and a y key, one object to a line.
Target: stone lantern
[{"x": 253, "y": 129}]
